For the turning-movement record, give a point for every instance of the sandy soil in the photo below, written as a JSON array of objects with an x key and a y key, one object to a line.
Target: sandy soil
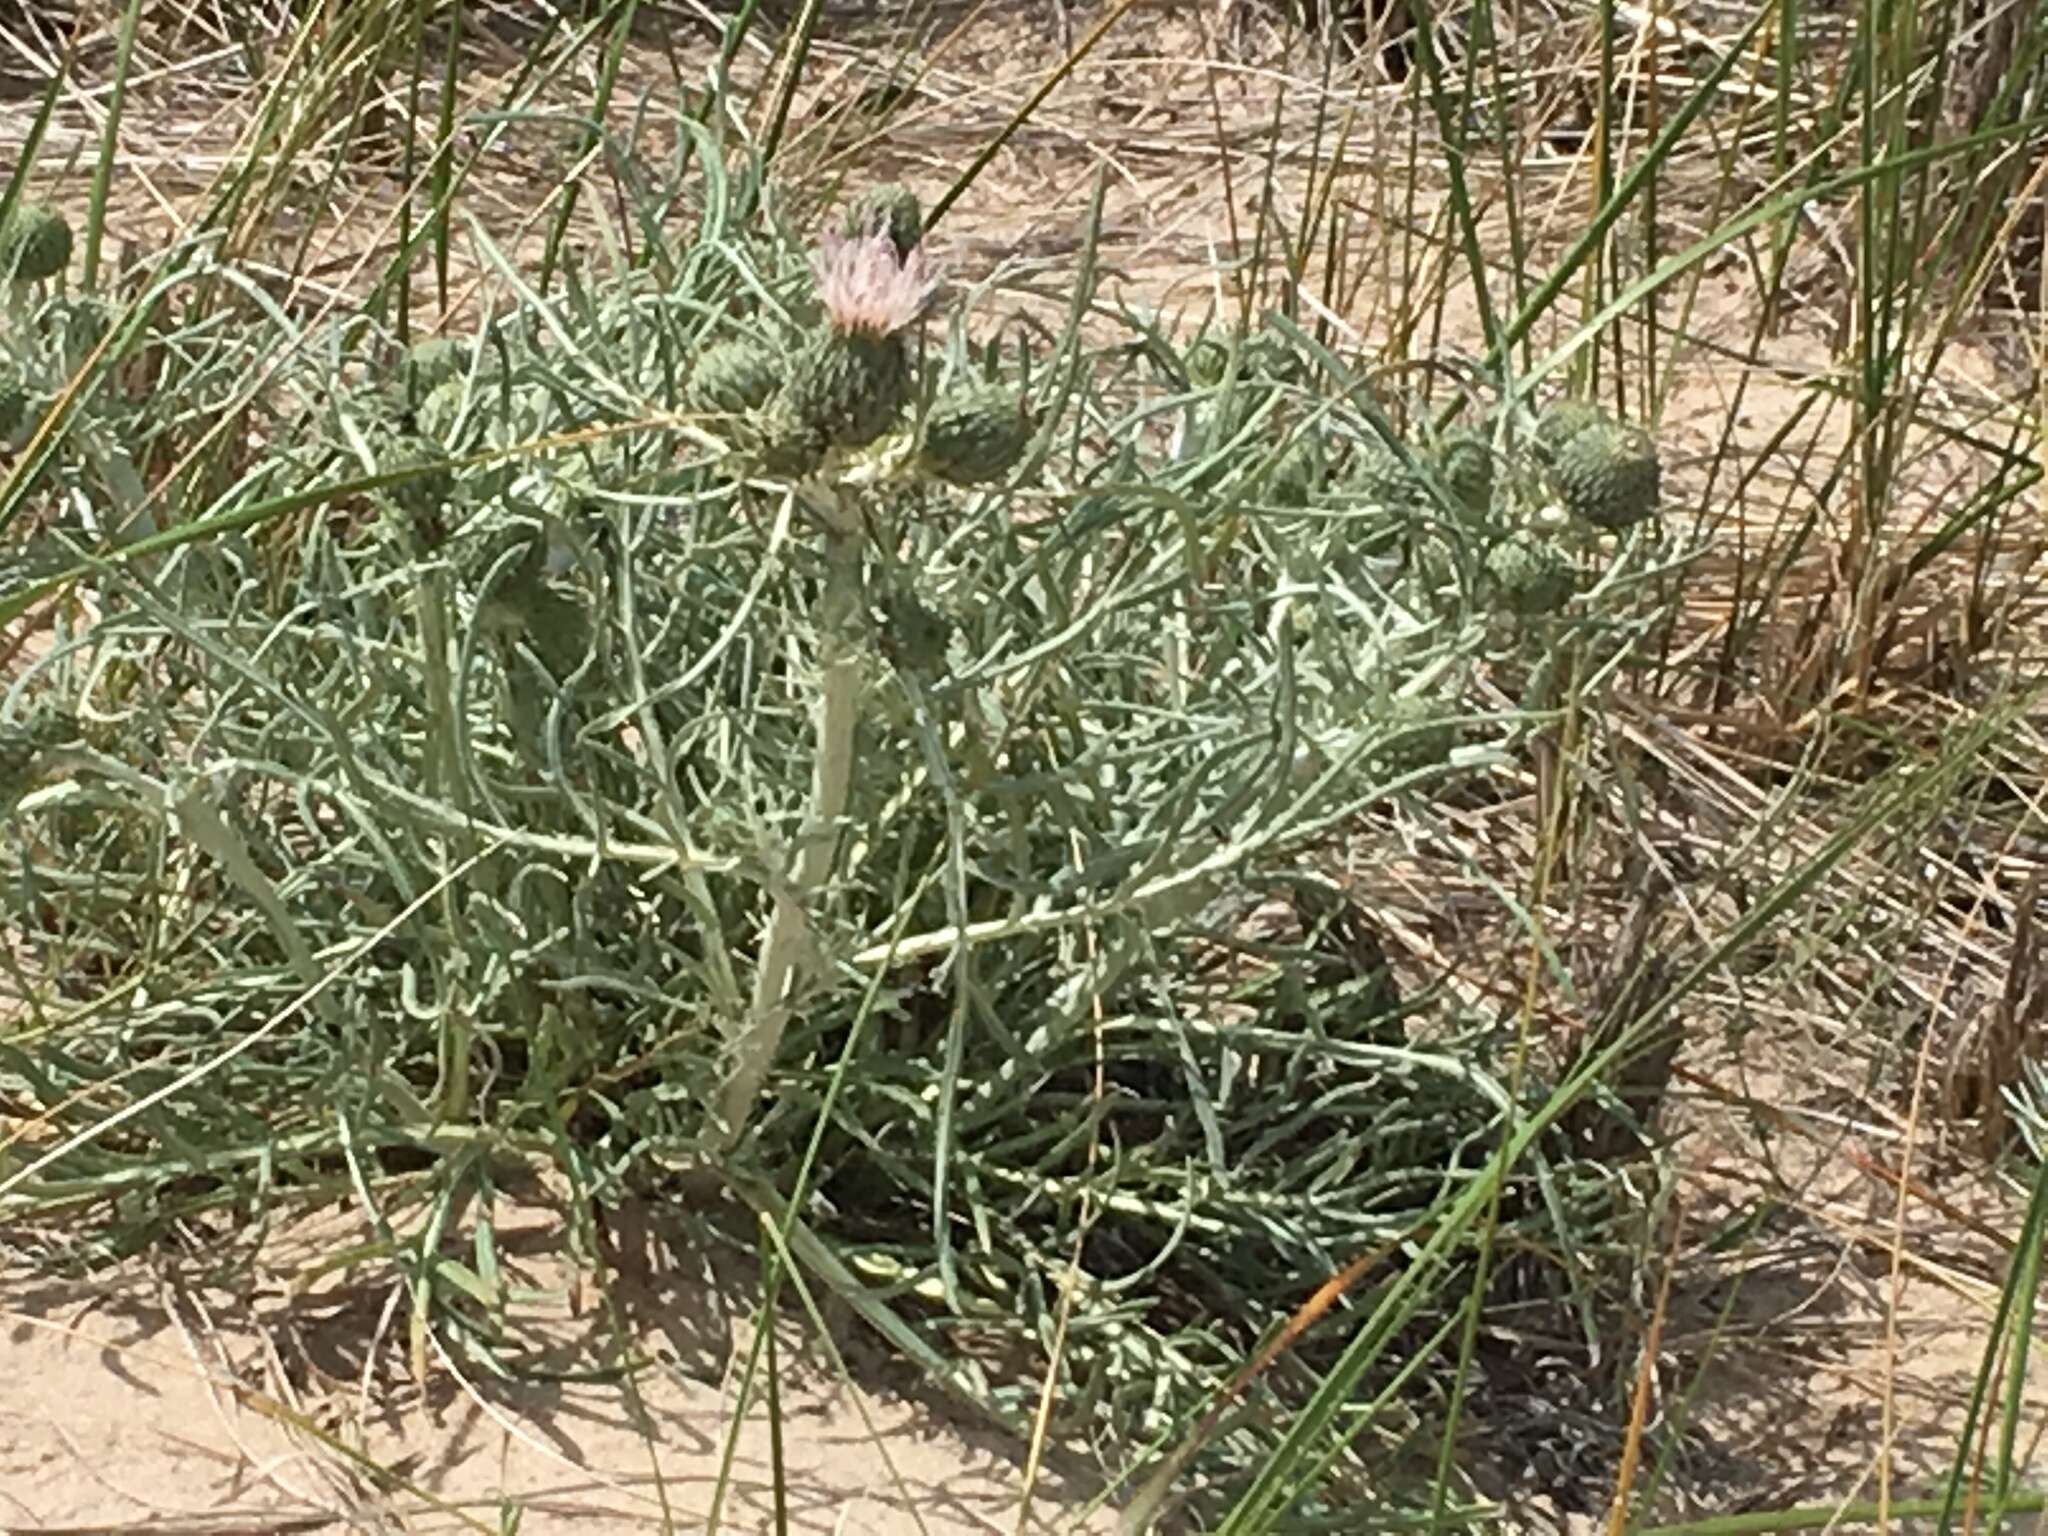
[{"x": 290, "y": 1403}]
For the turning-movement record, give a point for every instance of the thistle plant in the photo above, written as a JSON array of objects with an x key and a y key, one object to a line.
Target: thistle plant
[
  {"x": 609, "y": 776},
  {"x": 848, "y": 388},
  {"x": 850, "y": 383}
]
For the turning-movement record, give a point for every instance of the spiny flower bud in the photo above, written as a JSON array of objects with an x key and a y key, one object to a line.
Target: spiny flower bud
[
  {"x": 1608, "y": 475},
  {"x": 1530, "y": 576},
  {"x": 1421, "y": 733},
  {"x": 23, "y": 749},
  {"x": 14, "y": 402},
  {"x": 733, "y": 377},
  {"x": 848, "y": 388},
  {"x": 1208, "y": 360},
  {"x": 1464, "y": 462},
  {"x": 1379, "y": 477},
  {"x": 976, "y": 433},
  {"x": 1563, "y": 420},
  {"x": 35, "y": 244},
  {"x": 431, "y": 363},
  {"x": 891, "y": 209}
]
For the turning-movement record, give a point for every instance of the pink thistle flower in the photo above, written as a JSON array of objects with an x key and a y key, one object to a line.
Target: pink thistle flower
[{"x": 866, "y": 288}]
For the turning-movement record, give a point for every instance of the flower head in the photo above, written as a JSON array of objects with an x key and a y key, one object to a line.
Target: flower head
[{"x": 867, "y": 288}]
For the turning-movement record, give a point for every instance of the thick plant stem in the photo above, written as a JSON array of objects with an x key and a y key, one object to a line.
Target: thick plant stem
[
  {"x": 444, "y": 767},
  {"x": 782, "y": 951}
]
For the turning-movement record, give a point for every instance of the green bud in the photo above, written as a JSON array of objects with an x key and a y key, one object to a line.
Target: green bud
[
  {"x": 892, "y": 208},
  {"x": 914, "y": 637},
  {"x": 1608, "y": 475},
  {"x": 976, "y": 433},
  {"x": 431, "y": 363},
  {"x": 35, "y": 243},
  {"x": 1563, "y": 420},
  {"x": 1464, "y": 462},
  {"x": 1422, "y": 734},
  {"x": 25, "y": 748},
  {"x": 1530, "y": 576},
  {"x": 1207, "y": 362},
  {"x": 1379, "y": 478},
  {"x": 15, "y": 402},
  {"x": 734, "y": 376},
  {"x": 849, "y": 387}
]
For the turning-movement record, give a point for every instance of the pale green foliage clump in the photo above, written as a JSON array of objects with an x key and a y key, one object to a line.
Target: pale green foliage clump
[{"x": 35, "y": 243}]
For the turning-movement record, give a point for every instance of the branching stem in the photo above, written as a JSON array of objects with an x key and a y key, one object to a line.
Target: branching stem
[{"x": 782, "y": 951}]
